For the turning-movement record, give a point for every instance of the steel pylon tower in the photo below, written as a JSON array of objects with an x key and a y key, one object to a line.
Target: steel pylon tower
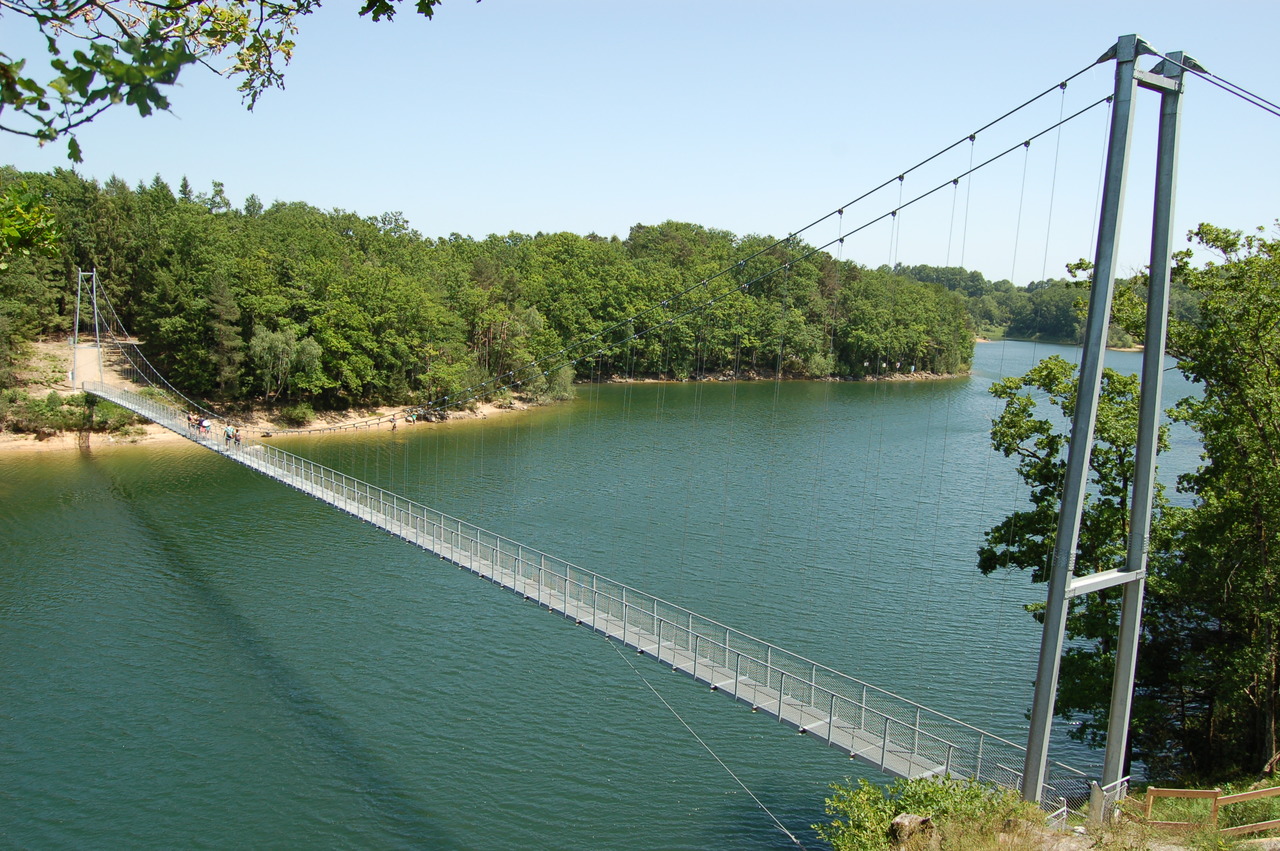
[{"x": 1165, "y": 78}]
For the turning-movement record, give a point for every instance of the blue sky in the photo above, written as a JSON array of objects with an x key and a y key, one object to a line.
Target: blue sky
[{"x": 749, "y": 116}]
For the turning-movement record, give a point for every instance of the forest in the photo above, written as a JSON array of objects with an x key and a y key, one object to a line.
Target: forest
[
  {"x": 290, "y": 304},
  {"x": 297, "y": 308}
]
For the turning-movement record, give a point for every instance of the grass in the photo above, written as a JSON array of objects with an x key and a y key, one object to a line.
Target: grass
[
  {"x": 966, "y": 815},
  {"x": 1198, "y": 811}
]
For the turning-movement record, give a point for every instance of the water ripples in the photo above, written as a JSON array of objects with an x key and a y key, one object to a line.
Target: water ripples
[{"x": 195, "y": 656}]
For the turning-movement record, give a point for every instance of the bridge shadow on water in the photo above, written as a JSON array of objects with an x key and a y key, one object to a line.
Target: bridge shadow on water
[{"x": 383, "y": 795}]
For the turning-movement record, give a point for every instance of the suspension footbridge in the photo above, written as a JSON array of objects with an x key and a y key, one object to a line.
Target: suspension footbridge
[{"x": 866, "y": 722}]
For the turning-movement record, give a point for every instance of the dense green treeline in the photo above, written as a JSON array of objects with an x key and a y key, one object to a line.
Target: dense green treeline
[
  {"x": 290, "y": 303},
  {"x": 1207, "y": 697},
  {"x": 1051, "y": 310}
]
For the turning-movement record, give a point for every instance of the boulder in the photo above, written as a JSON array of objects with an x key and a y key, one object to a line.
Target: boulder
[{"x": 906, "y": 827}]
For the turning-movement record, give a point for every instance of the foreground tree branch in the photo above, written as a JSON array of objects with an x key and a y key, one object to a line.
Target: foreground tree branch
[{"x": 107, "y": 52}]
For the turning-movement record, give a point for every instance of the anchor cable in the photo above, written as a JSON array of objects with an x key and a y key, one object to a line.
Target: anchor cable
[{"x": 714, "y": 756}]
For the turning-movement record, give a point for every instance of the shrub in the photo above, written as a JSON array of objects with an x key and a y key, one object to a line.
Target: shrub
[
  {"x": 108, "y": 416},
  {"x": 959, "y": 808},
  {"x": 52, "y": 413},
  {"x": 297, "y": 415}
]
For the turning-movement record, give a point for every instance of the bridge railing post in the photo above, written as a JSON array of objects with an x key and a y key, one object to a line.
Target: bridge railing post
[
  {"x": 915, "y": 738},
  {"x": 655, "y": 622}
]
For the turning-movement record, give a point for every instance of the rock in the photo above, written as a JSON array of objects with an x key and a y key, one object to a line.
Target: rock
[{"x": 906, "y": 827}]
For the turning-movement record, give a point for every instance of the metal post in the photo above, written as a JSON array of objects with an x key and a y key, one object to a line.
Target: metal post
[
  {"x": 75, "y": 328},
  {"x": 1097, "y": 802},
  {"x": 97, "y": 338},
  {"x": 915, "y": 738},
  {"x": 1125, "y": 52},
  {"x": 1148, "y": 423},
  {"x": 782, "y": 683}
]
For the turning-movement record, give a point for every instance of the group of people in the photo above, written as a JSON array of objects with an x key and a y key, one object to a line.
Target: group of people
[
  {"x": 201, "y": 426},
  {"x": 196, "y": 424}
]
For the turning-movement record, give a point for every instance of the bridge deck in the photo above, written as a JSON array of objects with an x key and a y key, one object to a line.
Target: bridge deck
[{"x": 899, "y": 737}]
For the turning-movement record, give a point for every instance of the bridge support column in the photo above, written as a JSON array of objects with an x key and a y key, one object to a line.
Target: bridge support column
[
  {"x": 1125, "y": 53},
  {"x": 1148, "y": 421},
  {"x": 1063, "y": 585}
]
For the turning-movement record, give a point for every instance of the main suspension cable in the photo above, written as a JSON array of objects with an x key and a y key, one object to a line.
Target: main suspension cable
[
  {"x": 1193, "y": 67},
  {"x": 562, "y": 357}
]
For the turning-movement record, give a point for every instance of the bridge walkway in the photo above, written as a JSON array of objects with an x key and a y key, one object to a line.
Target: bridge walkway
[{"x": 899, "y": 737}]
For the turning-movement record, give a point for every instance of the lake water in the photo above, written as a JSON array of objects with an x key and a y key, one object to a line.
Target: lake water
[{"x": 194, "y": 656}]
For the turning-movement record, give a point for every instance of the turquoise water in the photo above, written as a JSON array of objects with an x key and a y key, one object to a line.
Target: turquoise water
[{"x": 195, "y": 656}]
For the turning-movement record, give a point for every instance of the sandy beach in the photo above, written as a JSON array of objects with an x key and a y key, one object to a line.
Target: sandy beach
[{"x": 152, "y": 434}]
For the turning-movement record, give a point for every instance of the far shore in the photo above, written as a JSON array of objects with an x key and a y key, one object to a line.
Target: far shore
[
  {"x": 256, "y": 427},
  {"x": 331, "y": 423},
  {"x": 55, "y": 356}
]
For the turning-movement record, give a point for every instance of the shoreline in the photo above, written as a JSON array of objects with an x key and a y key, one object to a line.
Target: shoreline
[
  {"x": 54, "y": 358},
  {"x": 332, "y": 423},
  {"x": 152, "y": 434}
]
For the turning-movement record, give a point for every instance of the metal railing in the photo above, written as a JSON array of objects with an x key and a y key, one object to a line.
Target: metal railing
[
  {"x": 1105, "y": 800},
  {"x": 898, "y": 736}
]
